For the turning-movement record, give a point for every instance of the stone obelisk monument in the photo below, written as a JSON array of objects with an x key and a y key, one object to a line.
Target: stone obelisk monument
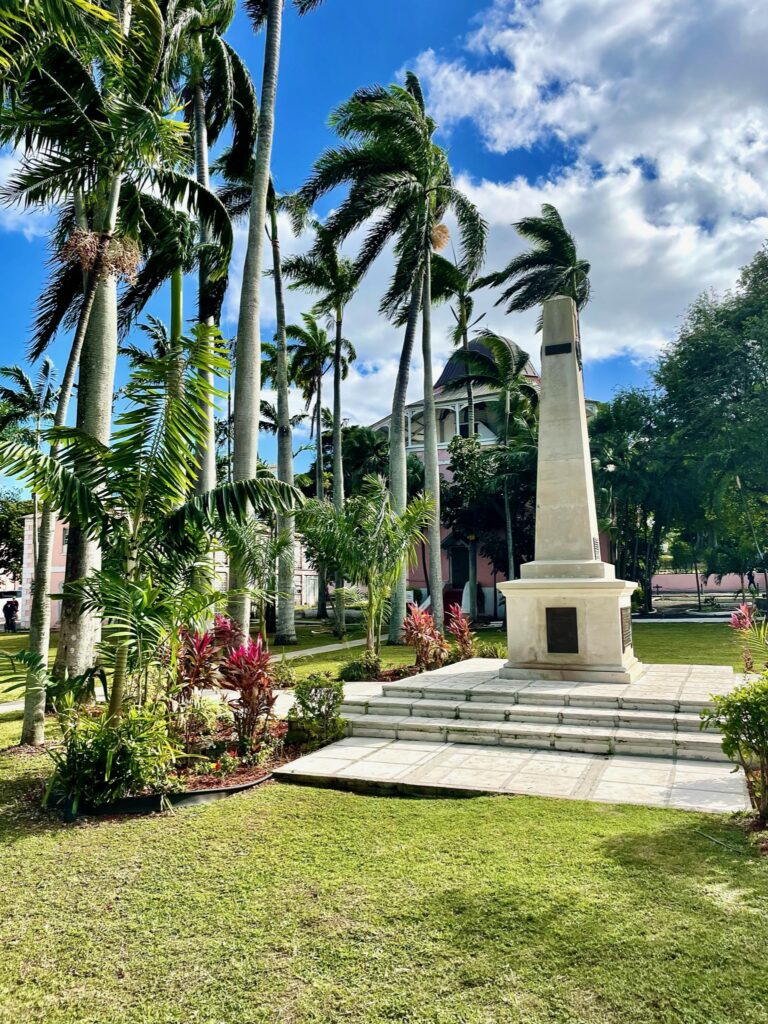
[{"x": 568, "y": 617}]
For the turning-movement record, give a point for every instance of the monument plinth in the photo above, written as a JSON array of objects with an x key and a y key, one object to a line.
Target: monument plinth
[{"x": 568, "y": 617}]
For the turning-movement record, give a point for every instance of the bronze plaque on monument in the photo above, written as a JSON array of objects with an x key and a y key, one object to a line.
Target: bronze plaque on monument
[
  {"x": 562, "y": 631},
  {"x": 626, "y": 628}
]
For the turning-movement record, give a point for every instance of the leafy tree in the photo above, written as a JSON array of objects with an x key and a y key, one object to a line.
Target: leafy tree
[
  {"x": 370, "y": 542},
  {"x": 13, "y": 509}
]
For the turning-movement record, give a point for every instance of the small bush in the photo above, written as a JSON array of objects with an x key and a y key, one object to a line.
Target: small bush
[
  {"x": 420, "y": 632},
  {"x": 101, "y": 760},
  {"x": 315, "y": 717},
  {"x": 742, "y": 717},
  {"x": 246, "y": 671},
  {"x": 490, "y": 649},
  {"x": 284, "y": 676},
  {"x": 363, "y": 669},
  {"x": 458, "y": 627}
]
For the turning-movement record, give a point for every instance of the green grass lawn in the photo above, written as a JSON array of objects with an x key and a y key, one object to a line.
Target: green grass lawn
[
  {"x": 309, "y": 906},
  {"x": 695, "y": 643},
  {"x": 313, "y": 906}
]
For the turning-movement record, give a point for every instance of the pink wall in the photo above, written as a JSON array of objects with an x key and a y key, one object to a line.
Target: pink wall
[
  {"x": 685, "y": 582},
  {"x": 57, "y": 572}
]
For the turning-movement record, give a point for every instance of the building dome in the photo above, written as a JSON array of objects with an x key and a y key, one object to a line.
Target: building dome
[{"x": 455, "y": 368}]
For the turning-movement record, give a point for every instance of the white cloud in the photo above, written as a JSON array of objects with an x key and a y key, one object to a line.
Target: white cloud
[
  {"x": 660, "y": 110},
  {"x": 32, "y": 223}
]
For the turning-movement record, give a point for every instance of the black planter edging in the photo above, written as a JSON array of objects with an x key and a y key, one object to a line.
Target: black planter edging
[{"x": 155, "y": 803}]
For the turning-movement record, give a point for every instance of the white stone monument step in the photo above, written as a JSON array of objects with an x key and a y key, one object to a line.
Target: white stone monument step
[
  {"x": 498, "y": 711},
  {"x": 549, "y": 735},
  {"x": 448, "y": 769}
]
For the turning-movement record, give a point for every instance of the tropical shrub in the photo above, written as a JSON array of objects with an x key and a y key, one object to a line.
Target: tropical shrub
[
  {"x": 420, "y": 632},
  {"x": 102, "y": 760},
  {"x": 246, "y": 672},
  {"x": 284, "y": 675},
  {"x": 742, "y": 717},
  {"x": 197, "y": 664},
  {"x": 458, "y": 627},
  {"x": 752, "y": 637},
  {"x": 366, "y": 667},
  {"x": 314, "y": 717},
  {"x": 227, "y": 634},
  {"x": 489, "y": 649}
]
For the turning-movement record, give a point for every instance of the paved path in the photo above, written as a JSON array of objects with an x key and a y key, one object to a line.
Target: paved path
[{"x": 405, "y": 765}]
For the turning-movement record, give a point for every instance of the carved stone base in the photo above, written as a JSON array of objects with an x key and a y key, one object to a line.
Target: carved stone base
[{"x": 579, "y": 629}]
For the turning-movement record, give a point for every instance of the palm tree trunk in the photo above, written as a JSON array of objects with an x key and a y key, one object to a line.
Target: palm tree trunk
[
  {"x": 79, "y": 629},
  {"x": 206, "y": 455},
  {"x": 248, "y": 353},
  {"x": 338, "y": 464},
  {"x": 398, "y": 464},
  {"x": 322, "y": 578},
  {"x": 286, "y": 615},
  {"x": 431, "y": 466},
  {"x": 473, "y": 580},
  {"x": 509, "y": 532},
  {"x": 33, "y": 724},
  {"x": 470, "y": 385}
]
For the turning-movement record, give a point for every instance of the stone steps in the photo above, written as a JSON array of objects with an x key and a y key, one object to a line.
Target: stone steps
[
  {"x": 497, "y": 711},
  {"x": 474, "y": 704},
  {"x": 541, "y": 735}
]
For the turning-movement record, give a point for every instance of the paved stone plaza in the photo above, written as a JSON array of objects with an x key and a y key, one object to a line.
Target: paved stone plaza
[{"x": 464, "y": 728}]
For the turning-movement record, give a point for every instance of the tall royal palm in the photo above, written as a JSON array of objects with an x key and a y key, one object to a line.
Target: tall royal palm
[
  {"x": 266, "y": 14},
  {"x": 91, "y": 153},
  {"x": 401, "y": 180},
  {"x": 550, "y": 267},
  {"x": 29, "y": 404},
  {"x": 216, "y": 89},
  {"x": 334, "y": 278}
]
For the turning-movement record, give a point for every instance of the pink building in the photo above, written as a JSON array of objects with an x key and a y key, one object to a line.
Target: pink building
[{"x": 60, "y": 534}]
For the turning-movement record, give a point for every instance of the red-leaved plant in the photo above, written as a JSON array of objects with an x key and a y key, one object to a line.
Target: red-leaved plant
[
  {"x": 246, "y": 672},
  {"x": 196, "y": 668},
  {"x": 459, "y": 629},
  {"x": 227, "y": 634},
  {"x": 420, "y": 632}
]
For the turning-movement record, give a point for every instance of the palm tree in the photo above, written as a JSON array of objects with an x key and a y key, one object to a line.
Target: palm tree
[
  {"x": 84, "y": 148},
  {"x": 451, "y": 281},
  {"x": 30, "y": 404},
  {"x": 324, "y": 271},
  {"x": 139, "y": 493},
  {"x": 401, "y": 180},
  {"x": 313, "y": 355},
  {"x": 263, "y": 14},
  {"x": 551, "y": 267},
  {"x": 371, "y": 542},
  {"x": 366, "y": 454},
  {"x": 216, "y": 89},
  {"x": 499, "y": 364}
]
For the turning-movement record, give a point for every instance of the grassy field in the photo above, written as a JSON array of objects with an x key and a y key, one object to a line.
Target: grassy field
[
  {"x": 289, "y": 905},
  {"x": 311, "y": 906}
]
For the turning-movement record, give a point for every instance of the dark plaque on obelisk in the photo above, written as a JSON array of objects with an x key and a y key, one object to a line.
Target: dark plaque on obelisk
[
  {"x": 626, "y": 628},
  {"x": 562, "y": 631}
]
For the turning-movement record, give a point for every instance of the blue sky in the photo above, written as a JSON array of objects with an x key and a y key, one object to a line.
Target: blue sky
[{"x": 645, "y": 124}]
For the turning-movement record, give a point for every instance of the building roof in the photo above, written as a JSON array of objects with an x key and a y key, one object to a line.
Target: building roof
[{"x": 455, "y": 368}]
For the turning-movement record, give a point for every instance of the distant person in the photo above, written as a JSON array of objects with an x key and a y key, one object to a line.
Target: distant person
[
  {"x": 751, "y": 579},
  {"x": 10, "y": 612}
]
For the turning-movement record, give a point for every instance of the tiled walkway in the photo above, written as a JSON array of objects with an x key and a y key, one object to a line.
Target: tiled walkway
[{"x": 404, "y": 765}]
